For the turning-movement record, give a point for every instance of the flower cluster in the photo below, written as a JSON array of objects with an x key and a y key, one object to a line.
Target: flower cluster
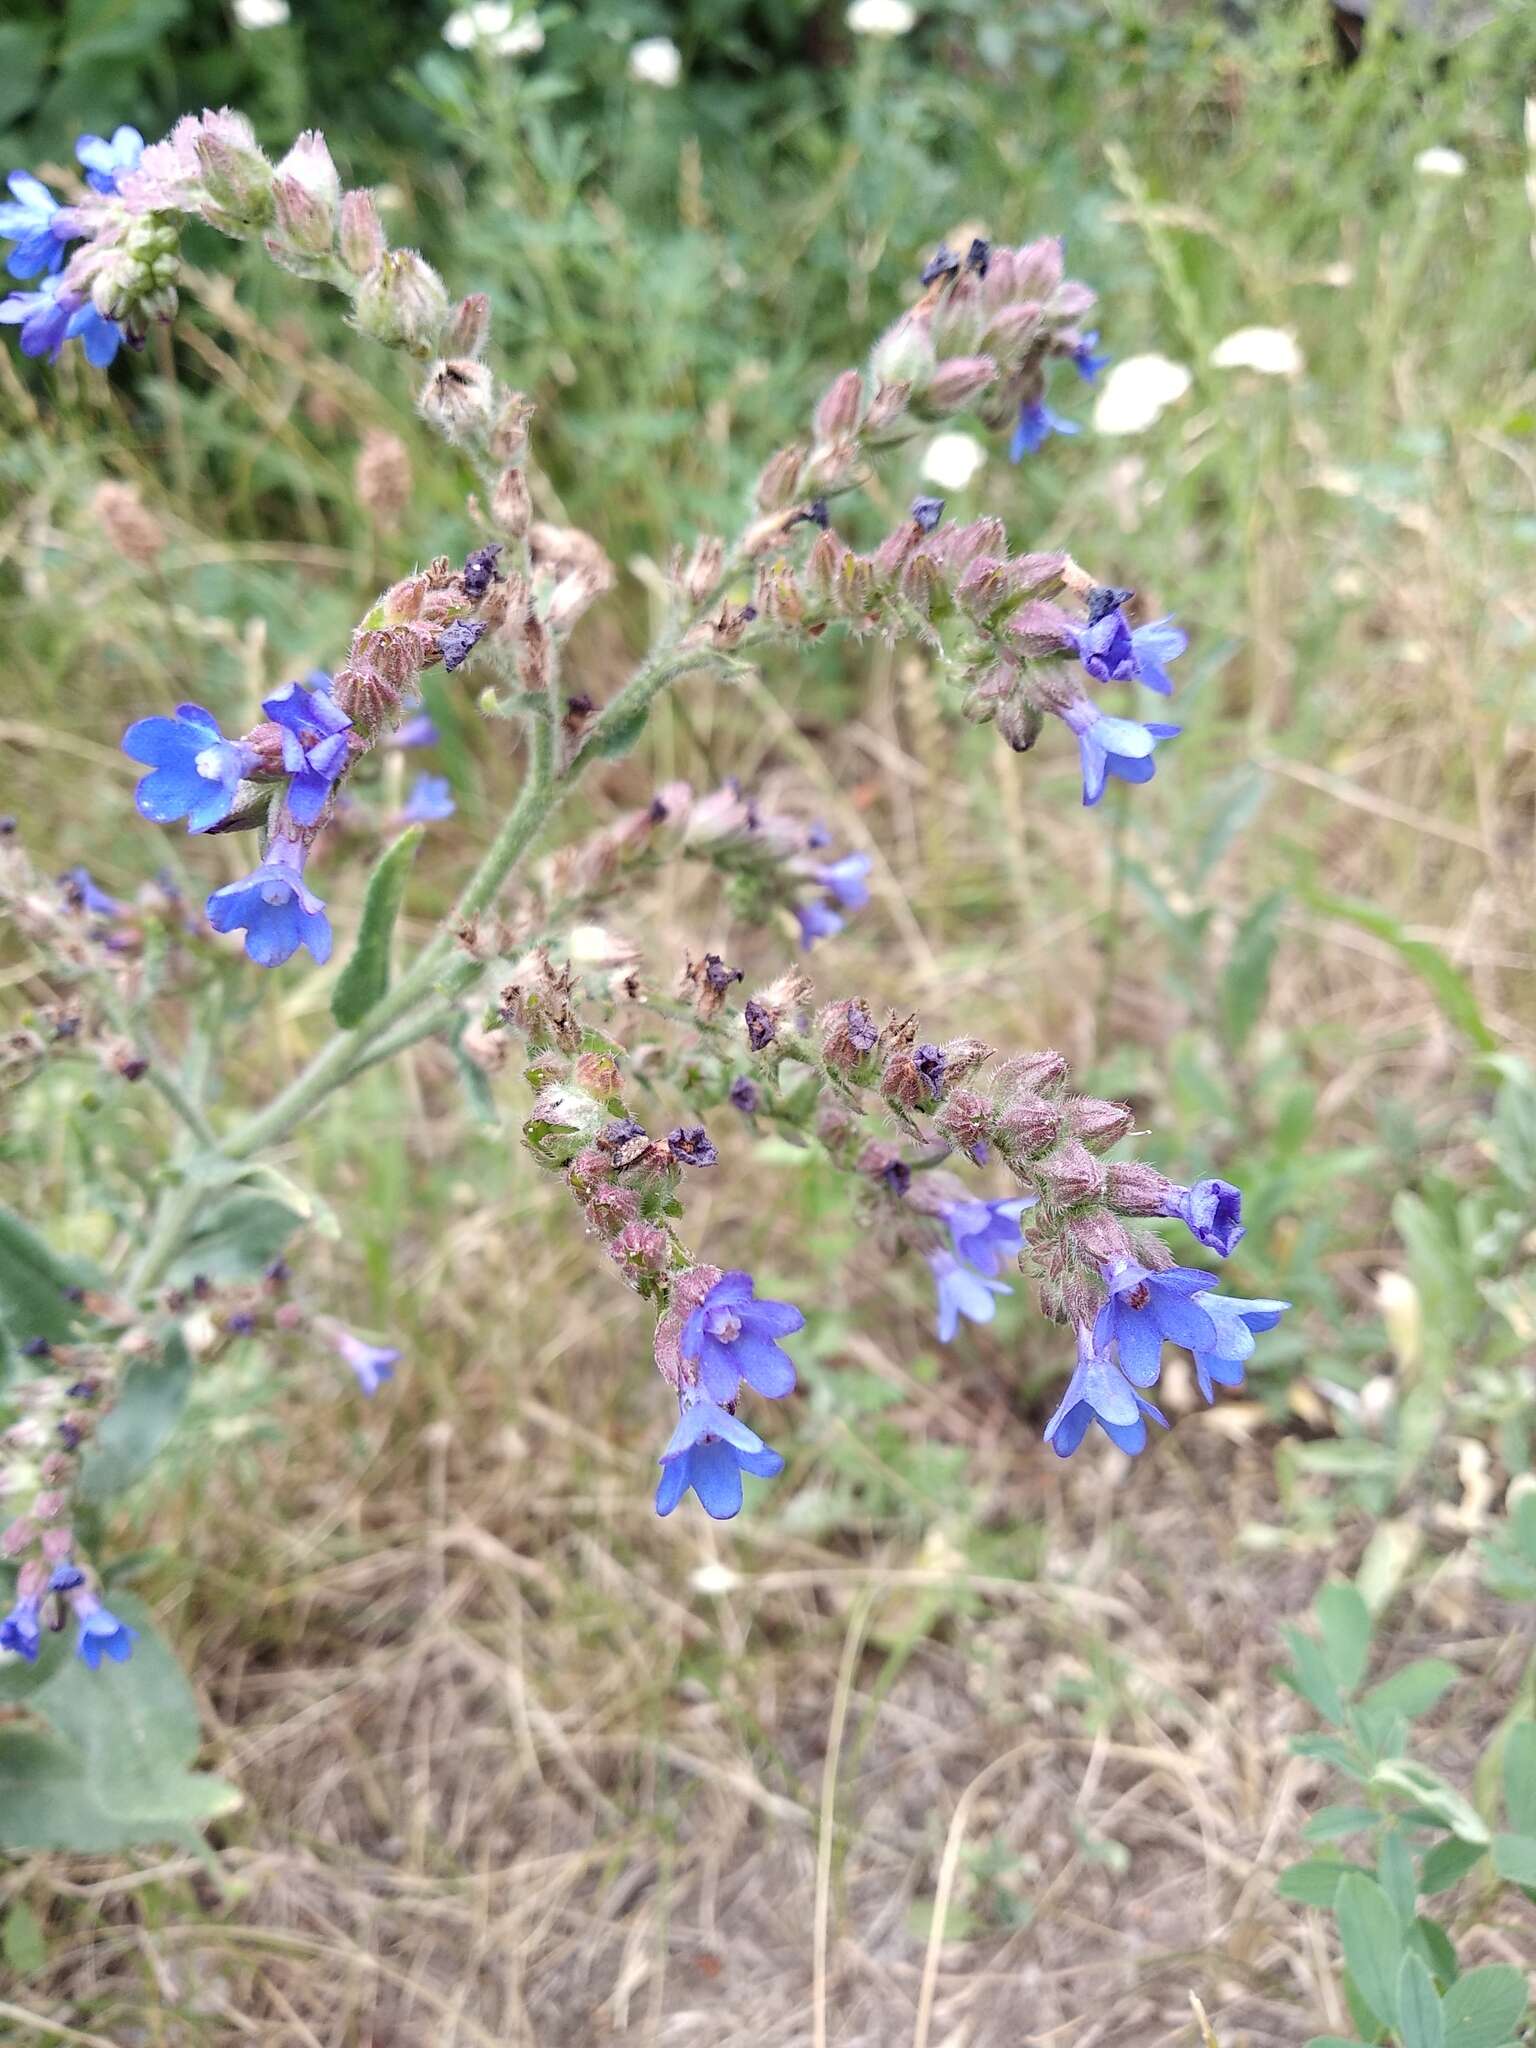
[{"x": 60, "y": 309}]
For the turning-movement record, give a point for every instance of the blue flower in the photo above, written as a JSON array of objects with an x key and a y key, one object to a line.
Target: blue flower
[
  {"x": 1114, "y": 652},
  {"x": 1235, "y": 1321},
  {"x": 373, "y": 1363},
  {"x": 417, "y": 731},
  {"x": 1213, "y": 1211},
  {"x": 817, "y": 920},
  {"x": 709, "y": 1450},
  {"x": 196, "y": 771},
  {"x": 430, "y": 800},
  {"x": 986, "y": 1233},
  {"x": 314, "y": 728},
  {"x": 51, "y": 316},
  {"x": 105, "y": 161},
  {"x": 86, "y": 893},
  {"x": 101, "y": 1634},
  {"x": 1099, "y": 1391},
  {"x": 29, "y": 220},
  {"x": 962, "y": 1292},
  {"x": 1084, "y": 361},
  {"x": 274, "y": 909},
  {"x": 1113, "y": 746},
  {"x": 1145, "y": 1308},
  {"x": 1034, "y": 427},
  {"x": 844, "y": 880},
  {"x": 731, "y": 1337},
  {"x": 20, "y": 1630}
]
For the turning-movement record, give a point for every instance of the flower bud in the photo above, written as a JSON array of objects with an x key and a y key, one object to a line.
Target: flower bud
[
  {"x": 1020, "y": 723},
  {"x": 1039, "y": 628},
  {"x": 886, "y": 411},
  {"x": 1012, "y": 328},
  {"x": 778, "y": 595},
  {"x": 704, "y": 568},
  {"x": 509, "y": 436},
  {"x": 381, "y": 477},
  {"x": 469, "y": 326},
  {"x": 1071, "y": 1174},
  {"x": 403, "y": 303},
  {"x": 956, "y": 382},
  {"x": 236, "y": 177},
  {"x": 133, "y": 531},
  {"x": 597, "y": 1075},
  {"x": 777, "y": 485},
  {"x": 1038, "y": 268},
  {"x": 1136, "y": 1189},
  {"x": 1031, "y": 1072},
  {"x": 361, "y": 234},
  {"x": 1097, "y": 1237},
  {"x": 966, "y": 1119},
  {"x": 1028, "y": 1127},
  {"x": 1098, "y": 1122},
  {"x": 838, "y": 412},
  {"x": 512, "y": 504},
  {"x": 641, "y": 1250},
  {"x": 848, "y": 1035},
  {"x": 1070, "y": 301},
  {"x": 904, "y": 354}
]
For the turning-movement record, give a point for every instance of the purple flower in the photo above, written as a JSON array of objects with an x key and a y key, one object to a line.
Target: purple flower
[
  {"x": 457, "y": 642},
  {"x": 962, "y": 1292},
  {"x": 50, "y": 316},
  {"x": 430, "y": 799},
  {"x": 20, "y": 1631},
  {"x": 986, "y": 1233},
  {"x": 1113, "y": 652},
  {"x": 418, "y": 731},
  {"x": 101, "y": 1634},
  {"x": 844, "y": 880},
  {"x": 373, "y": 1363},
  {"x": 1113, "y": 746},
  {"x": 105, "y": 161},
  {"x": 925, "y": 513},
  {"x": 709, "y": 1450},
  {"x": 1213, "y": 1211},
  {"x": 314, "y": 730},
  {"x": 1235, "y": 1321},
  {"x": 29, "y": 219},
  {"x": 274, "y": 909},
  {"x": 691, "y": 1145},
  {"x": 731, "y": 1337},
  {"x": 1084, "y": 361},
  {"x": 746, "y": 1095},
  {"x": 1145, "y": 1308},
  {"x": 1099, "y": 1392},
  {"x": 1035, "y": 425},
  {"x": 817, "y": 920},
  {"x": 761, "y": 1029},
  {"x": 195, "y": 770},
  {"x": 85, "y": 893}
]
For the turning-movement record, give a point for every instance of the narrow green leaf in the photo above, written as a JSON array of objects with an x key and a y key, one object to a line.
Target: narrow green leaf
[
  {"x": 365, "y": 977},
  {"x": 1427, "y": 1938},
  {"x": 1345, "y": 1621},
  {"x": 140, "y": 1422},
  {"x": 1520, "y": 1777},
  {"x": 22, "y": 1941},
  {"x": 1484, "y": 2008},
  {"x": 1449, "y": 987},
  {"x": 1514, "y": 1857},
  {"x": 1312, "y": 1677},
  {"x": 33, "y": 1280},
  {"x": 1447, "y": 1864},
  {"x": 1373, "y": 1943},
  {"x": 1419, "y": 2023},
  {"x": 1414, "y": 1689},
  {"x": 1331, "y": 1823},
  {"x": 1394, "y": 1873},
  {"x": 1314, "y": 1881},
  {"x": 1434, "y": 1795}
]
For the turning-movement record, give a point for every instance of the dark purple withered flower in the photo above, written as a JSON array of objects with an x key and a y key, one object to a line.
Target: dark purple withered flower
[{"x": 691, "y": 1145}]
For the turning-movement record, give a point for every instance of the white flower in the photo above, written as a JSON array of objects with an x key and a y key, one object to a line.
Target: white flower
[
  {"x": 714, "y": 1578},
  {"x": 1269, "y": 350},
  {"x": 261, "y": 13},
  {"x": 951, "y": 460},
  {"x": 882, "y": 18},
  {"x": 1136, "y": 391},
  {"x": 495, "y": 26},
  {"x": 1440, "y": 163},
  {"x": 656, "y": 60}
]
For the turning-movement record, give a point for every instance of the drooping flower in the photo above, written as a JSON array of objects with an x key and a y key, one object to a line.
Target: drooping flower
[
  {"x": 29, "y": 218},
  {"x": 314, "y": 729},
  {"x": 1113, "y": 746},
  {"x": 1236, "y": 1322},
  {"x": 709, "y": 1450},
  {"x": 21, "y": 1630},
  {"x": 1212, "y": 1210},
  {"x": 195, "y": 771},
  {"x": 1034, "y": 427},
  {"x": 986, "y": 1233},
  {"x": 1144, "y": 1308},
  {"x": 844, "y": 880},
  {"x": 430, "y": 800},
  {"x": 1114, "y": 652},
  {"x": 105, "y": 161},
  {"x": 50, "y": 316},
  {"x": 274, "y": 909},
  {"x": 1084, "y": 359},
  {"x": 101, "y": 1634},
  {"x": 817, "y": 920},
  {"x": 372, "y": 1363},
  {"x": 86, "y": 893},
  {"x": 1100, "y": 1392},
  {"x": 964, "y": 1292},
  {"x": 731, "y": 1336}
]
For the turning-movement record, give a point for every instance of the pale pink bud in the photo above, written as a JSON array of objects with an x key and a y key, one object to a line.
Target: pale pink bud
[
  {"x": 469, "y": 326},
  {"x": 403, "y": 303},
  {"x": 838, "y": 413},
  {"x": 362, "y": 233},
  {"x": 957, "y": 381},
  {"x": 780, "y": 478}
]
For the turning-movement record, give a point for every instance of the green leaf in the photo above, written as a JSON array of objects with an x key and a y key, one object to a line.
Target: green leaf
[
  {"x": 140, "y": 1422},
  {"x": 1372, "y": 1939},
  {"x": 1401, "y": 1774},
  {"x": 1520, "y": 1777},
  {"x": 1245, "y": 982},
  {"x": 241, "y": 1234},
  {"x": 1514, "y": 1857},
  {"x": 33, "y": 1281},
  {"x": 1483, "y": 2008},
  {"x": 1312, "y": 1677},
  {"x": 47, "y": 1801},
  {"x": 19, "y": 1679},
  {"x": 1314, "y": 1881},
  {"x": 1334, "y": 2041},
  {"x": 1331, "y": 1823},
  {"x": 1394, "y": 1873},
  {"x": 23, "y": 63},
  {"x": 1427, "y": 1938},
  {"x": 1419, "y": 2024},
  {"x": 1345, "y": 1621},
  {"x": 1414, "y": 1689},
  {"x": 365, "y": 977},
  {"x": 22, "y": 1941},
  {"x": 1447, "y": 1864},
  {"x": 1449, "y": 987}
]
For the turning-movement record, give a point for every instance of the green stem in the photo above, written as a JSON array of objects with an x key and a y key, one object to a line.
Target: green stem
[{"x": 178, "y": 1205}]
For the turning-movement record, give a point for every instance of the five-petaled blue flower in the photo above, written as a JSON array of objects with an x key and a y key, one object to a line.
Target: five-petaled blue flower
[
  {"x": 195, "y": 770},
  {"x": 1100, "y": 1392},
  {"x": 1086, "y": 363},
  {"x": 962, "y": 1292},
  {"x": 844, "y": 880},
  {"x": 1034, "y": 427},
  {"x": 274, "y": 909},
  {"x": 817, "y": 920},
  {"x": 1213, "y": 1211},
  {"x": 431, "y": 799},
  {"x": 106, "y": 159},
  {"x": 50, "y": 316},
  {"x": 372, "y": 1363},
  {"x": 1144, "y": 1308},
  {"x": 30, "y": 220},
  {"x": 1235, "y": 1321},
  {"x": 709, "y": 1450},
  {"x": 731, "y": 1337},
  {"x": 1113, "y": 746},
  {"x": 21, "y": 1630},
  {"x": 314, "y": 728},
  {"x": 101, "y": 1634},
  {"x": 1114, "y": 652}
]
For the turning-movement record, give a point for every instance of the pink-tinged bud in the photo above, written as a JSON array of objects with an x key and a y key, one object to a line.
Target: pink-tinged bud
[
  {"x": 1028, "y": 1127},
  {"x": 966, "y": 1119},
  {"x": 1070, "y": 301},
  {"x": 309, "y": 164},
  {"x": 488, "y": 1050},
  {"x": 51, "y": 1506},
  {"x": 1136, "y": 1189},
  {"x": 469, "y": 326},
  {"x": 609, "y": 1209},
  {"x": 848, "y": 1035},
  {"x": 904, "y": 353},
  {"x": 889, "y": 559},
  {"x": 685, "y": 1292},
  {"x": 58, "y": 1544},
  {"x": 1031, "y": 1072},
  {"x": 509, "y": 436},
  {"x": 704, "y": 569},
  {"x": 1099, "y": 1238},
  {"x": 778, "y": 484},
  {"x": 403, "y": 303},
  {"x": 1020, "y": 722},
  {"x": 778, "y": 596},
  {"x": 1036, "y": 576},
  {"x": 822, "y": 565},
  {"x": 235, "y": 176},
  {"x": 1012, "y": 328},
  {"x": 1038, "y": 268},
  {"x": 512, "y": 504},
  {"x": 362, "y": 233},
  {"x": 597, "y": 1074},
  {"x": 1071, "y": 1174},
  {"x": 956, "y": 382},
  {"x": 983, "y": 589},
  {"x": 963, "y": 544},
  {"x": 1098, "y": 1122},
  {"x": 591, "y": 1168},
  {"x": 1039, "y": 628},
  {"x": 998, "y": 286},
  {"x": 922, "y": 586},
  {"x": 17, "y": 1536},
  {"x": 458, "y": 399},
  {"x": 306, "y": 202},
  {"x": 838, "y": 412},
  {"x": 835, "y": 466},
  {"x": 962, "y": 1058},
  {"x": 32, "y": 1579},
  {"x": 838, "y": 1129},
  {"x": 640, "y": 1250},
  {"x": 887, "y": 412}
]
